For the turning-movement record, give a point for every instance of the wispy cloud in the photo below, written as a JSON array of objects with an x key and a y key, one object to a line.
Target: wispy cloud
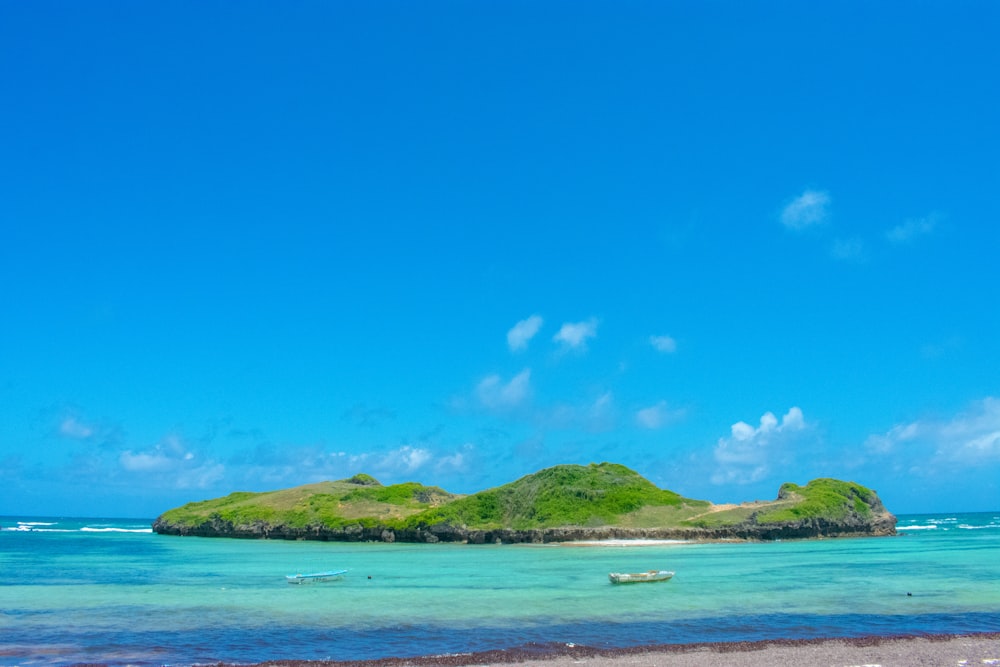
[
  {"x": 522, "y": 332},
  {"x": 665, "y": 344},
  {"x": 170, "y": 463},
  {"x": 891, "y": 441},
  {"x": 595, "y": 414},
  {"x": 912, "y": 229},
  {"x": 293, "y": 465},
  {"x": 600, "y": 415},
  {"x": 405, "y": 459},
  {"x": 969, "y": 439},
  {"x": 456, "y": 461},
  {"x": 72, "y": 427},
  {"x": 574, "y": 335},
  {"x": 656, "y": 416},
  {"x": 745, "y": 456},
  {"x": 148, "y": 461},
  {"x": 807, "y": 210},
  {"x": 496, "y": 394}
]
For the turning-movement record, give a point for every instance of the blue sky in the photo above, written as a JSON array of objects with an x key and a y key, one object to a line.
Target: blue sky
[{"x": 246, "y": 246}]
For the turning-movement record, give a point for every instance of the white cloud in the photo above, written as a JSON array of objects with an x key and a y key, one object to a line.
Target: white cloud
[
  {"x": 494, "y": 393},
  {"x": 457, "y": 462},
  {"x": 522, "y": 332},
  {"x": 602, "y": 404},
  {"x": 71, "y": 427},
  {"x": 410, "y": 460},
  {"x": 793, "y": 420},
  {"x": 406, "y": 459},
  {"x": 913, "y": 228},
  {"x": 901, "y": 433},
  {"x": 169, "y": 454},
  {"x": 745, "y": 456},
  {"x": 574, "y": 335},
  {"x": 656, "y": 416},
  {"x": 201, "y": 477},
  {"x": 153, "y": 461},
  {"x": 663, "y": 344},
  {"x": 171, "y": 464},
  {"x": 806, "y": 210},
  {"x": 289, "y": 466},
  {"x": 969, "y": 439}
]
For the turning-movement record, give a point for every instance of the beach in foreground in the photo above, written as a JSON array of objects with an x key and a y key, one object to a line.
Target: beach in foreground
[{"x": 926, "y": 651}]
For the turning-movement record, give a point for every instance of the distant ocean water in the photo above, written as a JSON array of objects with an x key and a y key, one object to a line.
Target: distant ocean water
[{"x": 110, "y": 591}]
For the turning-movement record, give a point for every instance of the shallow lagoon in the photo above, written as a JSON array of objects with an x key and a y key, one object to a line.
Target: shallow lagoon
[{"x": 110, "y": 591}]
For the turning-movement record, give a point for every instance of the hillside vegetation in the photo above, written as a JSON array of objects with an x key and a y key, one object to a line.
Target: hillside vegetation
[
  {"x": 358, "y": 500},
  {"x": 562, "y": 503},
  {"x": 567, "y": 495}
]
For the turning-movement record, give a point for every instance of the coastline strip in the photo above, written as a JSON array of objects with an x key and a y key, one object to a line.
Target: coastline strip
[{"x": 870, "y": 651}]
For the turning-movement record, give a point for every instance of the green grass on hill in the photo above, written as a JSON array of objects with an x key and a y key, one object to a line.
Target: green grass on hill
[
  {"x": 830, "y": 498},
  {"x": 567, "y": 495},
  {"x": 360, "y": 499}
]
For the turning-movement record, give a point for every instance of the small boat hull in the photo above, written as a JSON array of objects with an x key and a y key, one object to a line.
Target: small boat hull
[
  {"x": 315, "y": 577},
  {"x": 639, "y": 577}
]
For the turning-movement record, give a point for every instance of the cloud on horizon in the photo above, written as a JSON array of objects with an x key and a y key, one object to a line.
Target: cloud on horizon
[
  {"x": 171, "y": 464},
  {"x": 970, "y": 439},
  {"x": 405, "y": 459},
  {"x": 405, "y": 462}
]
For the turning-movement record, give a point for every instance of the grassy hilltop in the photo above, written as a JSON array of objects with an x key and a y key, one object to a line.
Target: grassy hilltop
[{"x": 562, "y": 503}]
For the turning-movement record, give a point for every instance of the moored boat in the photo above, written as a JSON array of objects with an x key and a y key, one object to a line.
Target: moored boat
[
  {"x": 314, "y": 577},
  {"x": 636, "y": 577}
]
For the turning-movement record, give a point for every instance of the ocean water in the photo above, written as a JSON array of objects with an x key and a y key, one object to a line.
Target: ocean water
[{"x": 111, "y": 591}]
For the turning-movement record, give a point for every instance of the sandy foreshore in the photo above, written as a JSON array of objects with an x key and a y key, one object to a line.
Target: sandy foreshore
[{"x": 922, "y": 651}]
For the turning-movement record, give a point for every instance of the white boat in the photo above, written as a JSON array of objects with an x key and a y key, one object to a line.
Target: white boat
[
  {"x": 314, "y": 577},
  {"x": 636, "y": 577}
]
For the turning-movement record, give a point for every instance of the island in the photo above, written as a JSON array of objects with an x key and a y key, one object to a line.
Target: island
[{"x": 564, "y": 503}]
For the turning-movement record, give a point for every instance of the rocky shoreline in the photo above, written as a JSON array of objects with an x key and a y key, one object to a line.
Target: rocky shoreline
[{"x": 881, "y": 524}]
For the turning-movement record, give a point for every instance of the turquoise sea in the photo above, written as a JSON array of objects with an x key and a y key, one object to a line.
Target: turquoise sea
[{"x": 110, "y": 591}]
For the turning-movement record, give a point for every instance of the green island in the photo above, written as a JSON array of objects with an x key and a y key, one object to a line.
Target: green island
[{"x": 565, "y": 503}]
